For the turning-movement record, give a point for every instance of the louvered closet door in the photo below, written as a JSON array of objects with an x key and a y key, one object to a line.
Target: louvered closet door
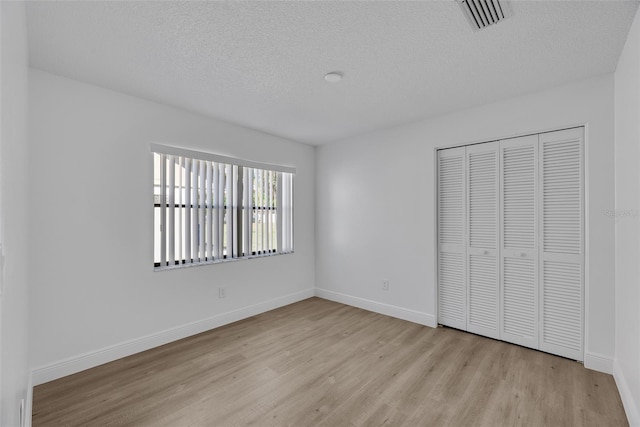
[
  {"x": 452, "y": 300},
  {"x": 561, "y": 236},
  {"x": 519, "y": 272},
  {"x": 482, "y": 250}
]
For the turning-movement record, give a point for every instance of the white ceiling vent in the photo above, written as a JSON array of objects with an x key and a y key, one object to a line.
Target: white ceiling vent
[{"x": 482, "y": 13}]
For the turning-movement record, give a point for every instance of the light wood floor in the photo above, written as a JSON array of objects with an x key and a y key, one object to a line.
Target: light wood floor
[{"x": 322, "y": 363}]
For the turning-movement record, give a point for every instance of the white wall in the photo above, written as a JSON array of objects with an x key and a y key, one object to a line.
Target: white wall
[
  {"x": 627, "y": 224},
  {"x": 14, "y": 357},
  {"x": 376, "y": 204},
  {"x": 93, "y": 288},
  {"x": 93, "y": 285}
]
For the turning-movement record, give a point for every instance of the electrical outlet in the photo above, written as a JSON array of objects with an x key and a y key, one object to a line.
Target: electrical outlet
[
  {"x": 222, "y": 293},
  {"x": 385, "y": 285}
]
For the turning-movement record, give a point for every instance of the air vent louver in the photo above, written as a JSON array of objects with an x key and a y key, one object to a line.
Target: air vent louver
[{"x": 482, "y": 13}]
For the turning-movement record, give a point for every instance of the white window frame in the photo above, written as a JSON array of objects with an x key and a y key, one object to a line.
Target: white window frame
[{"x": 210, "y": 208}]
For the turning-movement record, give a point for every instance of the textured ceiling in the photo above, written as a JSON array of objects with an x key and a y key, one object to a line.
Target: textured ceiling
[{"x": 261, "y": 64}]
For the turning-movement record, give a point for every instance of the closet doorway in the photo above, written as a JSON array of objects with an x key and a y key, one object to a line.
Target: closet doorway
[{"x": 510, "y": 233}]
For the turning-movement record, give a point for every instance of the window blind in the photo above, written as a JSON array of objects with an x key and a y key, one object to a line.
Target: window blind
[{"x": 211, "y": 208}]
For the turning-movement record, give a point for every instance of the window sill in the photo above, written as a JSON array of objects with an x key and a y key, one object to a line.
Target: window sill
[{"x": 218, "y": 261}]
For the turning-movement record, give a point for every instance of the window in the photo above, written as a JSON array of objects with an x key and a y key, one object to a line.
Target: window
[{"x": 210, "y": 208}]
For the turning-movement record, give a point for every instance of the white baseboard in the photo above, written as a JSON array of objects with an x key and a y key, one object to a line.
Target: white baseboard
[
  {"x": 598, "y": 362},
  {"x": 91, "y": 359},
  {"x": 378, "y": 307},
  {"x": 628, "y": 400}
]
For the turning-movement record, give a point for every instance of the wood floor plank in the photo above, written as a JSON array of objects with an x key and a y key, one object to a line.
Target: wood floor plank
[{"x": 320, "y": 363}]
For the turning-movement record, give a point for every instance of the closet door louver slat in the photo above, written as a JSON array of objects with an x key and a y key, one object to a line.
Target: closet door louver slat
[
  {"x": 451, "y": 238},
  {"x": 519, "y": 278},
  {"x": 561, "y": 287},
  {"x": 482, "y": 250}
]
